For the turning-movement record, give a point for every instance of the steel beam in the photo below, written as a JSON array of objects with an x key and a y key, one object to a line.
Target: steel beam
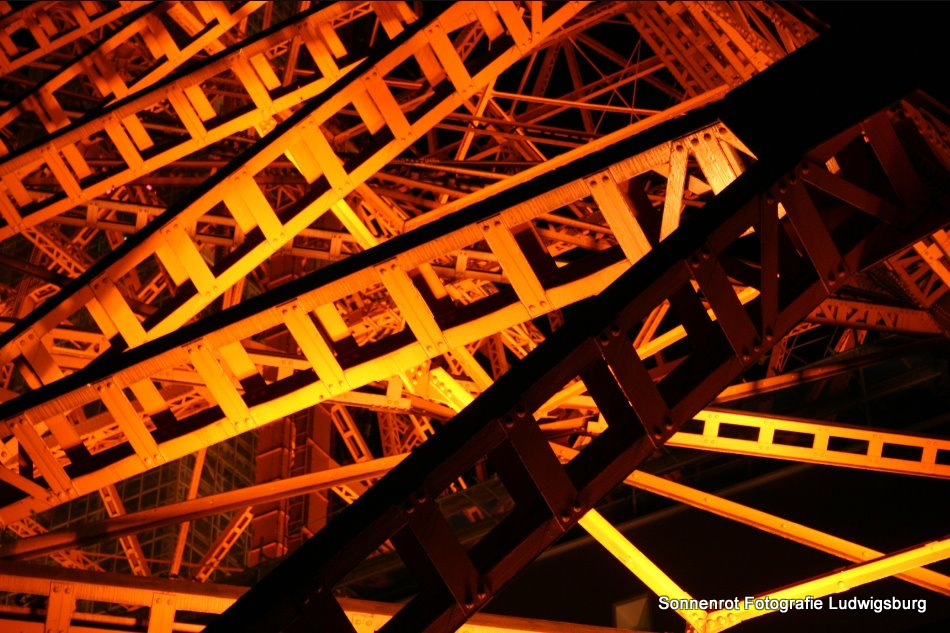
[
  {"x": 177, "y": 595},
  {"x": 818, "y": 442},
  {"x": 499, "y": 425},
  {"x": 780, "y": 526},
  {"x": 522, "y": 205},
  {"x": 867, "y": 316},
  {"x": 836, "y": 582}
]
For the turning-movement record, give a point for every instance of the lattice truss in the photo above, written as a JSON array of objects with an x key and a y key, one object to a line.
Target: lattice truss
[{"x": 333, "y": 226}]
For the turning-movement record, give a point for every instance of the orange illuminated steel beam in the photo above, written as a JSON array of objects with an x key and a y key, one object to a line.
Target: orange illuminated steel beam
[
  {"x": 53, "y": 543},
  {"x": 165, "y": 598},
  {"x": 174, "y": 247},
  {"x": 72, "y": 359},
  {"x": 129, "y": 543},
  {"x": 768, "y": 522},
  {"x": 35, "y": 543},
  {"x": 817, "y": 443},
  {"x": 836, "y": 582},
  {"x": 71, "y": 558},
  {"x": 223, "y": 544},
  {"x": 48, "y": 36},
  {"x": 107, "y": 304},
  {"x": 868, "y": 316},
  {"x": 827, "y": 368},
  {"x": 908, "y": 564},
  {"x": 779, "y": 526},
  {"x": 95, "y": 67},
  {"x": 224, "y": 392},
  {"x": 635, "y": 560},
  {"x": 771, "y": 523},
  {"x": 300, "y": 137},
  {"x": 191, "y": 103},
  {"x": 336, "y": 379}
]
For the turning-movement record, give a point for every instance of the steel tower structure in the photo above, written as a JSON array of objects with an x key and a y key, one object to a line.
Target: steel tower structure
[{"x": 458, "y": 271}]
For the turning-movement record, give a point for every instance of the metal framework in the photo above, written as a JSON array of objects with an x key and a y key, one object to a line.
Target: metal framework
[{"x": 458, "y": 269}]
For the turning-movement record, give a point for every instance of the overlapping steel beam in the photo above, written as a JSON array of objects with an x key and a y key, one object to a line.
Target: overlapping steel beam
[
  {"x": 94, "y": 67},
  {"x": 849, "y": 442},
  {"x": 779, "y": 526},
  {"x": 530, "y": 298},
  {"x": 499, "y": 425},
  {"x": 169, "y": 239},
  {"x": 873, "y": 567},
  {"x": 164, "y": 598},
  {"x": 834, "y": 582},
  {"x": 194, "y": 508},
  {"x": 186, "y": 82},
  {"x": 240, "y": 384},
  {"x": 633, "y": 251},
  {"x": 53, "y": 25},
  {"x": 187, "y": 95},
  {"x": 38, "y": 353}
]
